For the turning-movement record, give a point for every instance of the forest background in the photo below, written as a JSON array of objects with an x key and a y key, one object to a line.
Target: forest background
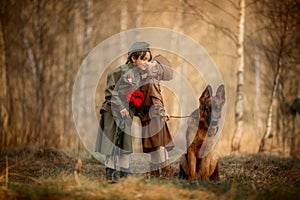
[{"x": 254, "y": 44}]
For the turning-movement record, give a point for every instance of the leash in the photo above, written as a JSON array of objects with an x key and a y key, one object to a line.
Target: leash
[{"x": 179, "y": 116}]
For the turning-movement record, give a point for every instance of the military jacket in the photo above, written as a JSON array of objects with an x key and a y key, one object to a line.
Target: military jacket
[
  {"x": 119, "y": 82},
  {"x": 112, "y": 79},
  {"x": 129, "y": 81},
  {"x": 155, "y": 130}
]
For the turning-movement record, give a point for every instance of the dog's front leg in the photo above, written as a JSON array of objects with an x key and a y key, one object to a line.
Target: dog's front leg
[
  {"x": 214, "y": 171},
  {"x": 192, "y": 164},
  {"x": 205, "y": 167}
]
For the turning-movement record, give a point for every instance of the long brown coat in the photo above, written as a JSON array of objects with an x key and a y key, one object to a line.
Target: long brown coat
[{"x": 155, "y": 131}]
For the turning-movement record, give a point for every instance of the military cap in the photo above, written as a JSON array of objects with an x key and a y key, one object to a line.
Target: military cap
[
  {"x": 166, "y": 67},
  {"x": 138, "y": 46}
]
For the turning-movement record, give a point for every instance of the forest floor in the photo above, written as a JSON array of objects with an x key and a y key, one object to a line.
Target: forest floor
[{"x": 48, "y": 173}]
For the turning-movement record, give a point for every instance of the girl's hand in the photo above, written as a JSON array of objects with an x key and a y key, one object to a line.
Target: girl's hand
[
  {"x": 167, "y": 116},
  {"x": 124, "y": 113}
]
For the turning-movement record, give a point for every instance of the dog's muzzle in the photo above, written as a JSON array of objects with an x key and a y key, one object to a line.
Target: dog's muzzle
[{"x": 213, "y": 129}]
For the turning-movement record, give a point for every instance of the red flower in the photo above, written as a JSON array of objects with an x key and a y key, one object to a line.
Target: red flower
[
  {"x": 134, "y": 97},
  {"x": 137, "y": 102},
  {"x": 129, "y": 95}
]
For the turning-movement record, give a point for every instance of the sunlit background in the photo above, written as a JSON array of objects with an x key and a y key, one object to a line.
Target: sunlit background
[{"x": 43, "y": 44}]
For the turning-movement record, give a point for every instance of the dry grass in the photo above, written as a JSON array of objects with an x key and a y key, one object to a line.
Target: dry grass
[{"x": 47, "y": 173}]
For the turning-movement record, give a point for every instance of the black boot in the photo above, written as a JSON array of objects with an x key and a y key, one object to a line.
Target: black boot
[
  {"x": 124, "y": 172},
  {"x": 111, "y": 175}
]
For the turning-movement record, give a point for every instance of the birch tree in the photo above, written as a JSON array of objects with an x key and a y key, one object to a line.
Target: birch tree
[
  {"x": 237, "y": 37},
  {"x": 280, "y": 29},
  {"x": 239, "y": 107}
]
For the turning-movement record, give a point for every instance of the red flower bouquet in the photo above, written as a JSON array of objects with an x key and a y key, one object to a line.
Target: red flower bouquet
[{"x": 134, "y": 97}]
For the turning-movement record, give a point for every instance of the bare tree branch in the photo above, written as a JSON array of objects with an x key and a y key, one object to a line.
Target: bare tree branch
[
  {"x": 222, "y": 9},
  {"x": 203, "y": 16}
]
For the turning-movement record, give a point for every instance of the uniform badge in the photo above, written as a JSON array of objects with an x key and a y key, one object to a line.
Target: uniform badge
[{"x": 129, "y": 78}]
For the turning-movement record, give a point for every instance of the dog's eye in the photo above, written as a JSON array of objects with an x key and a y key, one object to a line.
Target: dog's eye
[
  {"x": 208, "y": 108},
  {"x": 208, "y": 104}
]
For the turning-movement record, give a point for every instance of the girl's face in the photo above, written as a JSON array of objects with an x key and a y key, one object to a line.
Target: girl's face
[
  {"x": 151, "y": 64},
  {"x": 152, "y": 69},
  {"x": 142, "y": 63}
]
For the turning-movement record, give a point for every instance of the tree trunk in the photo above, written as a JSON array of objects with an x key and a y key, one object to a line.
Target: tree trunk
[
  {"x": 87, "y": 29},
  {"x": 239, "y": 107},
  {"x": 257, "y": 94},
  {"x": 3, "y": 88},
  {"x": 123, "y": 24},
  {"x": 268, "y": 133},
  {"x": 293, "y": 152},
  {"x": 139, "y": 13}
]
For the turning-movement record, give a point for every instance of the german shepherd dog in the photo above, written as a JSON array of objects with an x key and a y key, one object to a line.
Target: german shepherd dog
[{"x": 200, "y": 162}]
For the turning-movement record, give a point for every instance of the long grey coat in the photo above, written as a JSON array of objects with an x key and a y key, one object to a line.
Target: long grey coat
[{"x": 119, "y": 82}]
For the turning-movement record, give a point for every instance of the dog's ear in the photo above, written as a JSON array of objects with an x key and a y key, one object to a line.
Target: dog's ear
[
  {"x": 221, "y": 93},
  {"x": 206, "y": 93}
]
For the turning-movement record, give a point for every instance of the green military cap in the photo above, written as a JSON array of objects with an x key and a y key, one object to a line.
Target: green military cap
[{"x": 138, "y": 46}]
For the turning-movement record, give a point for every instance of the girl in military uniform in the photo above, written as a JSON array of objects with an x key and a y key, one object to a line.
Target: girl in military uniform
[
  {"x": 116, "y": 113},
  {"x": 156, "y": 138}
]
